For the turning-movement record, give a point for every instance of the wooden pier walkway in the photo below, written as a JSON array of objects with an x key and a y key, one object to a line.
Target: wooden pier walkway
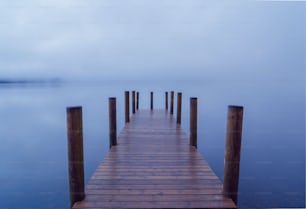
[{"x": 153, "y": 166}]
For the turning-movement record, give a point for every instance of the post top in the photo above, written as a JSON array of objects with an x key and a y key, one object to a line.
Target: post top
[
  {"x": 74, "y": 108},
  {"x": 235, "y": 107}
]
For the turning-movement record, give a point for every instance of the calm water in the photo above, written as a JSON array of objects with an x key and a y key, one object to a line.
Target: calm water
[{"x": 33, "y": 151}]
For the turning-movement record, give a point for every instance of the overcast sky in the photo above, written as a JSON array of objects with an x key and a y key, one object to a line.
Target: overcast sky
[{"x": 152, "y": 38}]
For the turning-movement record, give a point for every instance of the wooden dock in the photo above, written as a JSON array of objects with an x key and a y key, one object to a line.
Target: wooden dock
[{"x": 153, "y": 166}]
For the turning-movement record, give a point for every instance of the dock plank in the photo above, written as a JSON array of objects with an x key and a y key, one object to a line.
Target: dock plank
[{"x": 153, "y": 166}]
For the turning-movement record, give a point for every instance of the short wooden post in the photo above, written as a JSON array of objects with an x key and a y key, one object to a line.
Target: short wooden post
[
  {"x": 137, "y": 99},
  {"x": 232, "y": 152},
  {"x": 151, "y": 100},
  {"x": 179, "y": 108},
  {"x": 75, "y": 154},
  {"x": 171, "y": 102},
  {"x": 112, "y": 122},
  {"x": 193, "y": 122},
  {"x": 127, "y": 106},
  {"x": 133, "y": 102},
  {"x": 166, "y": 100}
]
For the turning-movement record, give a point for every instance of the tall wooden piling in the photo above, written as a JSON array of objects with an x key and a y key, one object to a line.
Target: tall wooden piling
[
  {"x": 127, "y": 106},
  {"x": 166, "y": 100},
  {"x": 171, "y": 102},
  {"x": 151, "y": 100},
  {"x": 75, "y": 154},
  {"x": 133, "y": 102},
  {"x": 193, "y": 122},
  {"x": 112, "y": 122},
  {"x": 137, "y": 100},
  {"x": 179, "y": 108},
  {"x": 232, "y": 152}
]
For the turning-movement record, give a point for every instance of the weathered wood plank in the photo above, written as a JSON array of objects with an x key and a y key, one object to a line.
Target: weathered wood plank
[
  {"x": 154, "y": 173},
  {"x": 157, "y": 197},
  {"x": 154, "y": 182},
  {"x": 161, "y": 188},
  {"x": 156, "y": 204},
  {"x": 153, "y": 166},
  {"x": 154, "y": 192}
]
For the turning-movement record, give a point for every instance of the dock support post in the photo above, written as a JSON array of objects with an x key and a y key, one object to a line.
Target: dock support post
[
  {"x": 179, "y": 108},
  {"x": 133, "y": 102},
  {"x": 151, "y": 100},
  {"x": 112, "y": 122},
  {"x": 75, "y": 154},
  {"x": 171, "y": 102},
  {"x": 137, "y": 100},
  {"x": 193, "y": 121},
  {"x": 232, "y": 152},
  {"x": 127, "y": 106},
  {"x": 166, "y": 100}
]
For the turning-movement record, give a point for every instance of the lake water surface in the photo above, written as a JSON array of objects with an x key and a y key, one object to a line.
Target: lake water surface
[{"x": 33, "y": 151}]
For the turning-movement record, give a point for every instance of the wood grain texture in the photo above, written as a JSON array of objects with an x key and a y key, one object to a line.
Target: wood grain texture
[
  {"x": 153, "y": 166},
  {"x": 232, "y": 152},
  {"x": 75, "y": 154}
]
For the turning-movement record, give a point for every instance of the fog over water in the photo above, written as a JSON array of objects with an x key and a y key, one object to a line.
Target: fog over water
[{"x": 249, "y": 53}]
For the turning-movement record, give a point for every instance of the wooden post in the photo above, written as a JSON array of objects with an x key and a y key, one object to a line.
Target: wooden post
[
  {"x": 171, "y": 102},
  {"x": 179, "y": 108},
  {"x": 133, "y": 102},
  {"x": 166, "y": 95},
  {"x": 232, "y": 152},
  {"x": 127, "y": 106},
  {"x": 75, "y": 154},
  {"x": 151, "y": 100},
  {"x": 137, "y": 99},
  {"x": 193, "y": 122},
  {"x": 112, "y": 122}
]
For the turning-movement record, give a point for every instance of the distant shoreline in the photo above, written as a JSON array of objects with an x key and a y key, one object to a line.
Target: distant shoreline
[{"x": 24, "y": 81}]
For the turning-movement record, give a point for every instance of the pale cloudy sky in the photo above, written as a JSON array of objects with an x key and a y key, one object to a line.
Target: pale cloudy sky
[{"x": 152, "y": 38}]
